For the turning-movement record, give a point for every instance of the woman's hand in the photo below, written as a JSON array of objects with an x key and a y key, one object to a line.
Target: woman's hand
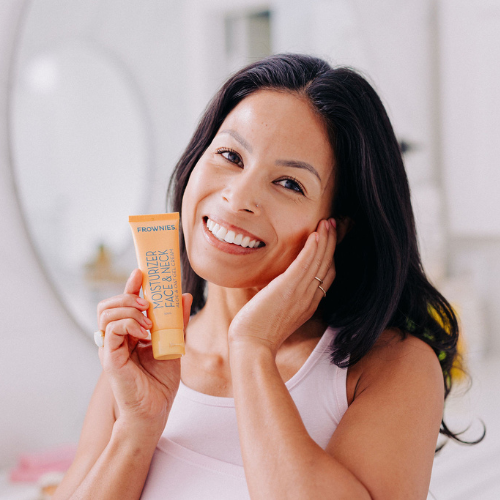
[
  {"x": 291, "y": 299},
  {"x": 144, "y": 388}
]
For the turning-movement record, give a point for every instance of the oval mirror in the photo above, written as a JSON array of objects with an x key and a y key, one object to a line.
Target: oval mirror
[{"x": 81, "y": 150}]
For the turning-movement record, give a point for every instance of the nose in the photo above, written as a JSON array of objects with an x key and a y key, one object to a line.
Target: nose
[{"x": 244, "y": 192}]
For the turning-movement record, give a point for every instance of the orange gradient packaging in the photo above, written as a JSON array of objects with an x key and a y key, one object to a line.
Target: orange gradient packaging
[{"x": 156, "y": 240}]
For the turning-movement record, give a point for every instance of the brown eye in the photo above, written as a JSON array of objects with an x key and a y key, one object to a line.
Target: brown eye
[
  {"x": 230, "y": 155},
  {"x": 291, "y": 184}
]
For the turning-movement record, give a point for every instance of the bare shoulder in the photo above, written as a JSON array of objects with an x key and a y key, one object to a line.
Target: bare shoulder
[
  {"x": 388, "y": 435},
  {"x": 409, "y": 360},
  {"x": 391, "y": 346}
]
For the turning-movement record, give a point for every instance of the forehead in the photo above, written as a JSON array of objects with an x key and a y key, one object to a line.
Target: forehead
[{"x": 282, "y": 124}]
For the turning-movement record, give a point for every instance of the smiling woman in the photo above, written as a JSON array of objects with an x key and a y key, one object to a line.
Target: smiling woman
[{"x": 318, "y": 355}]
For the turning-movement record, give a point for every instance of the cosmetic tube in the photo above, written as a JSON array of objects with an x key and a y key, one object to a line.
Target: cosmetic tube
[{"x": 156, "y": 240}]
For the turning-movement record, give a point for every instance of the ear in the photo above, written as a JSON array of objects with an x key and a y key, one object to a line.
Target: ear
[{"x": 344, "y": 225}]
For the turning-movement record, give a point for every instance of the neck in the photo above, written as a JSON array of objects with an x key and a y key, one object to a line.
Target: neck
[{"x": 208, "y": 329}]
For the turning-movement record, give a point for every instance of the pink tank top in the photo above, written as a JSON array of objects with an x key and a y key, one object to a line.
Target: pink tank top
[{"x": 199, "y": 456}]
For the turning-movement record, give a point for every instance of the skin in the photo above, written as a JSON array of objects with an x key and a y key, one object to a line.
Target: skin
[{"x": 257, "y": 329}]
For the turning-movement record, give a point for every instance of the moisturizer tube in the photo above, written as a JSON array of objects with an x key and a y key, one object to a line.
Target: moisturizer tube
[{"x": 156, "y": 240}]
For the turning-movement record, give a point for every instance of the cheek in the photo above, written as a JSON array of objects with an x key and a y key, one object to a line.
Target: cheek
[
  {"x": 187, "y": 216},
  {"x": 190, "y": 201},
  {"x": 297, "y": 226},
  {"x": 197, "y": 190},
  {"x": 291, "y": 240},
  {"x": 293, "y": 245},
  {"x": 202, "y": 182},
  {"x": 194, "y": 192}
]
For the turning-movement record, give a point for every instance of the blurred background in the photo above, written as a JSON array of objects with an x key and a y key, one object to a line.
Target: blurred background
[{"x": 98, "y": 98}]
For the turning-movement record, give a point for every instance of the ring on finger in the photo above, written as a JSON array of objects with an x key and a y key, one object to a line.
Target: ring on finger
[
  {"x": 99, "y": 338},
  {"x": 320, "y": 281},
  {"x": 322, "y": 289}
]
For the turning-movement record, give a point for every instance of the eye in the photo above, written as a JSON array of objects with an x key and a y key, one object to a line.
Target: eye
[
  {"x": 230, "y": 155},
  {"x": 292, "y": 184}
]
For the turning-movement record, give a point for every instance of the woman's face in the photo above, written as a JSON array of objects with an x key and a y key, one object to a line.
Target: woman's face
[{"x": 266, "y": 177}]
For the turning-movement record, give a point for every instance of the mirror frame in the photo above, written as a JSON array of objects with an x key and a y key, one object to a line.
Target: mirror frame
[{"x": 150, "y": 150}]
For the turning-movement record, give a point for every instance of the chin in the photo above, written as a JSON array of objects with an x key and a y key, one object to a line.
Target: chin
[
  {"x": 222, "y": 276},
  {"x": 225, "y": 280}
]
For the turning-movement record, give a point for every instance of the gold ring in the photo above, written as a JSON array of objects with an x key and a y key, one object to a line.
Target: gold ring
[
  {"x": 99, "y": 338},
  {"x": 320, "y": 281},
  {"x": 321, "y": 288}
]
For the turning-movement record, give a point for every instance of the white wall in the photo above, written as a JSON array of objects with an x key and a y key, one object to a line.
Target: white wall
[
  {"x": 470, "y": 108},
  {"x": 47, "y": 366}
]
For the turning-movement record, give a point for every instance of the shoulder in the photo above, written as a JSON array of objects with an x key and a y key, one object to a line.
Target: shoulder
[
  {"x": 387, "y": 436},
  {"x": 396, "y": 362}
]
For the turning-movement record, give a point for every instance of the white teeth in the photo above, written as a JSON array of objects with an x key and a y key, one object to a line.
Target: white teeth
[
  {"x": 230, "y": 236},
  {"x": 223, "y": 234}
]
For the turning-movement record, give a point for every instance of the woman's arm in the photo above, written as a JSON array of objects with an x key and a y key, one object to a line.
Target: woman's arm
[
  {"x": 281, "y": 460},
  {"x": 130, "y": 406},
  {"x": 383, "y": 447},
  {"x": 112, "y": 459},
  {"x": 122, "y": 468}
]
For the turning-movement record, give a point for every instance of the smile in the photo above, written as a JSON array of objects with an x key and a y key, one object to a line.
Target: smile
[
  {"x": 219, "y": 239},
  {"x": 229, "y": 236}
]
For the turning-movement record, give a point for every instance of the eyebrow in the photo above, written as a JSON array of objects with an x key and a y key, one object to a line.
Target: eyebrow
[
  {"x": 285, "y": 163},
  {"x": 238, "y": 137},
  {"x": 298, "y": 164}
]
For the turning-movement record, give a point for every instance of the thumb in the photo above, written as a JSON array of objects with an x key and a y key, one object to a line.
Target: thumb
[{"x": 134, "y": 282}]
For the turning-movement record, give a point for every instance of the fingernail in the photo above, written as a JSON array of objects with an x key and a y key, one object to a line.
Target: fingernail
[
  {"x": 142, "y": 302},
  {"x": 333, "y": 222},
  {"x": 147, "y": 321}
]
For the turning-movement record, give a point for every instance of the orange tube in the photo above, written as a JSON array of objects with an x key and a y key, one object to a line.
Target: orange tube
[{"x": 156, "y": 240}]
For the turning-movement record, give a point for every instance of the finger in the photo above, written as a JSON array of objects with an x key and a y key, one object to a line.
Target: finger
[
  {"x": 326, "y": 271},
  {"x": 293, "y": 277},
  {"x": 314, "y": 288},
  {"x": 315, "y": 258},
  {"x": 117, "y": 331},
  {"x": 327, "y": 257},
  {"x": 319, "y": 282},
  {"x": 329, "y": 278},
  {"x": 124, "y": 300},
  {"x": 323, "y": 231},
  {"x": 117, "y": 313},
  {"x": 134, "y": 282}
]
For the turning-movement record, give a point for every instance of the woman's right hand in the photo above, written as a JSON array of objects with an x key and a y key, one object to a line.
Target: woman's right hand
[{"x": 144, "y": 388}]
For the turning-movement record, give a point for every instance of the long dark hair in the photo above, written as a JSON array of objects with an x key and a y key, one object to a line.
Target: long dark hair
[{"x": 380, "y": 282}]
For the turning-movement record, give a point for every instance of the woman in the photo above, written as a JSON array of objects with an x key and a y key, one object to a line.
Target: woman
[{"x": 293, "y": 163}]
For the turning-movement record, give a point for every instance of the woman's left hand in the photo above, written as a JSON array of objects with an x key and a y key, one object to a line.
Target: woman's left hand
[{"x": 290, "y": 299}]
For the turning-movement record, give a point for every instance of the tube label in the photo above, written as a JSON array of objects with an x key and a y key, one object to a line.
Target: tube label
[
  {"x": 162, "y": 274},
  {"x": 156, "y": 240}
]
